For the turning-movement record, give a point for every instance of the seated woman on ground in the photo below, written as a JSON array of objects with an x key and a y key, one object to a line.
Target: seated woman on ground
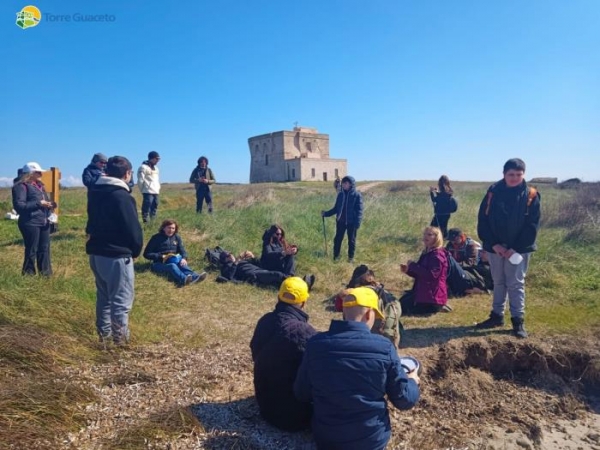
[
  {"x": 429, "y": 293},
  {"x": 277, "y": 254},
  {"x": 167, "y": 253}
]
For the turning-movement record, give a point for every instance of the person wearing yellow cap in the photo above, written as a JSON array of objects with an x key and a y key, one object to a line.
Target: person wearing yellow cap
[
  {"x": 277, "y": 347},
  {"x": 347, "y": 372}
]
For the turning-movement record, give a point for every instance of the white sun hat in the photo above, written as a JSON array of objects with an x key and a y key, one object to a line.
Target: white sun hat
[{"x": 32, "y": 167}]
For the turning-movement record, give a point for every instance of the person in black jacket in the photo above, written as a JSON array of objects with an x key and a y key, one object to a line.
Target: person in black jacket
[
  {"x": 94, "y": 170},
  {"x": 508, "y": 223},
  {"x": 30, "y": 200},
  {"x": 444, "y": 204},
  {"x": 277, "y": 348},
  {"x": 166, "y": 251},
  {"x": 277, "y": 254},
  {"x": 203, "y": 178},
  {"x": 115, "y": 239},
  {"x": 348, "y": 210}
]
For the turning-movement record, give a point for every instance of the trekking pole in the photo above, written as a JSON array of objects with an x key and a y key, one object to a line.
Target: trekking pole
[{"x": 324, "y": 235}]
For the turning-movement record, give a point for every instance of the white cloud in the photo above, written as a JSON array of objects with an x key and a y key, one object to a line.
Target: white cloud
[
  {"x": 71, "y": 181},
  {"x": 6, "y": 182}
]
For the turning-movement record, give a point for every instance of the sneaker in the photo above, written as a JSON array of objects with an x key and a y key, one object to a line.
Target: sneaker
[
  {"x": 350, "y": 260},
  {"x": 446, "y": 308},
  {"x": 198, "y": 277},
  {"x": 518, "y": 329},
  {"x": 188, "y": 280},
  {"x": 104, "y": 341},
  {"x": 494, "y": 321}
]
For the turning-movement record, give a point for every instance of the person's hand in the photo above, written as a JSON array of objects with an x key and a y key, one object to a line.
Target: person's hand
[
  {"x": 414, "y": 376},
  {"x": 183, "y": 262},
  {"x": 404, "y": 268},
  {"x": 322, "y": 213},
  {"x": 203, "y": 180},
  {"x": 46, "y": 204},
  {"x": 293, "y": 249},
  {"x": 508, "y": 253},
  {"x": 499, "y": 250},
  {"x": 432, "y": 189}
]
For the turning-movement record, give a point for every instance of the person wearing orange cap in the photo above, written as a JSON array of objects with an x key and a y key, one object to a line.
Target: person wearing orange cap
[
  {"x": 347, "y": 372},
  {"x": 277, "y": 347}
]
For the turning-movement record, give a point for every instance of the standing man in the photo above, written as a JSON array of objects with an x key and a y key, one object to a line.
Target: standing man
[
  {"x": 277, "y": 349},
  {"x": 347, "y": 373},
  {"x": 115, "y": 239},
  {"x": 348, "y": 210},
  {"x": 203, "y": 177},
  {"x": 149, "y": 185},
  {"x": 94, "y": 170},
  {"x": 508, "y": 223}
]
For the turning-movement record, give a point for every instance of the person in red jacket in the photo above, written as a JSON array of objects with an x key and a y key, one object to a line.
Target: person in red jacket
[{"x": 430, "y": 292}]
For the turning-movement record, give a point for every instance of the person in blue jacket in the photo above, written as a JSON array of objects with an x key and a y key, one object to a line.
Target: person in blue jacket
[
  {"x": 277, "y": 347},
  {"x": 347, "y": 372},
  {"x": 168, "y": 255},
  {"x": 348, "y": 210},
  {"x": 94, "y": 170}
]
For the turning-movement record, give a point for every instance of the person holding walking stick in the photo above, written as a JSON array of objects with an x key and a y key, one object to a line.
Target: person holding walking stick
[
  {"x": 348, "y": 210},
  {"x": 444, "y": 204}
]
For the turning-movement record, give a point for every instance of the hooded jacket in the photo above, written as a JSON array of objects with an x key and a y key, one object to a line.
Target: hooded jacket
[
  {"x": 430, "y": 273},
  {"x": 352, "y": 200},
  {"x": 160, "y": 244},
  {"x": 91, "y": 174},
  {"x": 113, "y": 224},
  {"x": 148, "y": 181},
  {"x": 505, "y": 218}
]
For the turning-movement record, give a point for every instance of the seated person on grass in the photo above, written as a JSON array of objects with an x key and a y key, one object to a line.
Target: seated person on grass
[
  {"x": 246, "y": 269},
  {"x": 277, "y": 348},
  {"x": 350, "y": 374},
  {"x": 277, "y": 254},
  {"x": 166, "y": 251}
]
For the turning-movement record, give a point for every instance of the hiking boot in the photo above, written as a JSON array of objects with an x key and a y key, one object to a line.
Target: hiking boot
[
  {"x": 336, "y": 258},
  {"x": 188, "y": 280},
  {"x": 494, "y": 321},
  {"x": 518, "y": 329},
  {"x": 198, "y": 277},
  {"x": 309, "y": 280}
]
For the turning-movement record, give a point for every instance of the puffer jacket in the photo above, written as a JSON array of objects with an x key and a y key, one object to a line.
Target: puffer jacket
[
  {"x": 352, "y": 199},
  {"x": 91, "y": 174},
  {"x": 277, "y": 348},
  {"x": 430, "y": 273},
  {"x": 347, "y": 373}
]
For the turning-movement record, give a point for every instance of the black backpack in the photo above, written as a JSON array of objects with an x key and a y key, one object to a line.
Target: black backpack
[{"x": 213, "y": 256}]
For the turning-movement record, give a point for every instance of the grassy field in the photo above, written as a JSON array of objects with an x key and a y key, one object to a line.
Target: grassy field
[{"x": 47, "y": 324}]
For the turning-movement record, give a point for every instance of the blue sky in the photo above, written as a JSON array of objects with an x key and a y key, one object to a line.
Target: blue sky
[{"x": 405, "y": 89}]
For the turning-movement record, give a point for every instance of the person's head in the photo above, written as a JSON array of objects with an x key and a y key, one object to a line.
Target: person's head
[
  {"x": 275, "y": 234},
  {"x": 444, "y": 184},
  {"x": 293, "y": 291},
  {"x": 153, "y": 158},
  {"x": 456, "y": 236},
  {"x": 362, "y": 276},
  {"x": 226, "y": 257},
  {"x": 119, "y": 167},
  {"x": 514, "y": 172},
  {"x": 31, "y": 171},
  {"x": 347, "y": 183},
  {"x": 361, "y": 304},
  {"x": 169, "y": 227},
  {"x": 432, "y": 238},
  {"x": 203, "y": 162},
  {"x": 99, "y": 160}
]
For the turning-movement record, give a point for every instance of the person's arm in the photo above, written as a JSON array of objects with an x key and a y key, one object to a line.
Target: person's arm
[
  {"x": 210, "y": 176},
  {"x": 472, "y": 254},
  {"x": 338, "y": 203},
  {"x": 21, "y": 203},
  {"x": 180, "y": 247},
  {"x": 88, "y": 178},
  {"x": 402, "y": 391},
  {"x": 484, "y": 229},
  {"x": 528, "y": 233},
  {"x": 151, "y": 252},
  {"x": 194, "y": 176},
  {"x": 272, "y": 253},
  {"x": 130, "y": 224},
  {"x": 143, "y": 178},
  {"x": 359, "y": 208}
]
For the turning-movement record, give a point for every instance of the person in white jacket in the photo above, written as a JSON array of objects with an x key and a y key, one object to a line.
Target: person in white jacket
[{"x": 149, "y": 185}]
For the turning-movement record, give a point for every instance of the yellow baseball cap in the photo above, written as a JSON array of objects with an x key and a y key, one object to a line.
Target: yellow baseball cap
[
  {"x": 293, "y": 290},
  {"x": 363, "y": 296}
]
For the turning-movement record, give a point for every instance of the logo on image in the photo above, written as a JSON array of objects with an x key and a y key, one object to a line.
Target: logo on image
[{"x": 28, "y": 17}]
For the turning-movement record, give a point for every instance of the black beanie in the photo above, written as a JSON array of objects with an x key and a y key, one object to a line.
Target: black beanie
[{"x": 153, "y": 155}]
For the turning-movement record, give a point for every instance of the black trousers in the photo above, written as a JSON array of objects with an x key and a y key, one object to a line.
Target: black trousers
[
  {"x": 340, "y": 230},
  {"x": 37, "y": 249},
  {"x": 441, "y": 221},
  {"x": 201, "y": 196},
  {"x": 287, "y": 265}
]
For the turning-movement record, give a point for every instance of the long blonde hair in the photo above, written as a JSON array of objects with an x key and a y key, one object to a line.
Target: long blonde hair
[{"x": 439, "y": 238}]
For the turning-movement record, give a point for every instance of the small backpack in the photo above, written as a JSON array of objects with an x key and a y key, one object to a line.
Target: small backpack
[{"x": 213, "y": 256}]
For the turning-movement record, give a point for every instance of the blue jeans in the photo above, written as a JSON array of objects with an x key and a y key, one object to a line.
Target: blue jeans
[
  {"x": 114, "y": 295},
  {"x": 509, "y": 280},
  {"x": 175, "y": 272},
  {"x": 149, "y": 206}
]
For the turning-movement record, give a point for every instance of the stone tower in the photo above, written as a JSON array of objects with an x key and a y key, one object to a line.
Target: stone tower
[{"x": 298, "y": 155}]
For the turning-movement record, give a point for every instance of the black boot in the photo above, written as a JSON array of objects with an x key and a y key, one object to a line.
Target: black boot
[
  {"x": 518, "y": 329},
  {"x": 309, "y": 280},
  {"x": 495, "y": 320}
]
